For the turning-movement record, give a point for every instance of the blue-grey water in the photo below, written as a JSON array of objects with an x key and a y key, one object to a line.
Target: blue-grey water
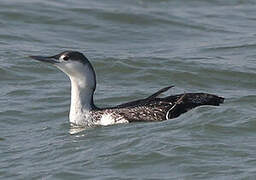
[{"x": 136, "y": 47}]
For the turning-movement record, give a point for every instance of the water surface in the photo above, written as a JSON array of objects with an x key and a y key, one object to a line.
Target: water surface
[{"x": 136, "y": 47}]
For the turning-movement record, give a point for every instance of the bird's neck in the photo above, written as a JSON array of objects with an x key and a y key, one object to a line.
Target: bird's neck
[{"x": 81, "y": 101}]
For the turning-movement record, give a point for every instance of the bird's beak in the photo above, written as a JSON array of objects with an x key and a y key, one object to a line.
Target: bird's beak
[{"x": 51, "y": 60}]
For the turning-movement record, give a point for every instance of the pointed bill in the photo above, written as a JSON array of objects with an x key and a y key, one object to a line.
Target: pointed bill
[{"x": 51, "y": 60}]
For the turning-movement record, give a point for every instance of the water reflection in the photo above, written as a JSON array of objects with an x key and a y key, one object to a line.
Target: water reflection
[{"x": 76, "y": 129}]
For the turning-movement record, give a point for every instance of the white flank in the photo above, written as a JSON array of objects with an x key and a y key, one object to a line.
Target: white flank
[{"x": 107, "y": 119}]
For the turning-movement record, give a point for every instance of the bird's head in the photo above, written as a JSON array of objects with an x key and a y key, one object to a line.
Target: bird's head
[{"x": 74, "y": 64}]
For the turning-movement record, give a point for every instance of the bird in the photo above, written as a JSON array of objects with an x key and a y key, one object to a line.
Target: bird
[{"x": 83, "y": 111}]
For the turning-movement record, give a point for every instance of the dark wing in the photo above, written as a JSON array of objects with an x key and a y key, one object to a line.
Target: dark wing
[
  {"x": 153, "y": 108},
  {"x": 145, "y": 100},
  {"x": 188, "y": 101}
]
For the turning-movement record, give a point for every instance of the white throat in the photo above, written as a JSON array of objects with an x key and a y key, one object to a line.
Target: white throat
[
  {"x": 81, "y": 102},
  {"x": 83, "y": 84}
]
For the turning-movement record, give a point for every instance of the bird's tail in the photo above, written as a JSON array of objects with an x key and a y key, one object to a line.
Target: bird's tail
[{"x": 188, "y": 101}]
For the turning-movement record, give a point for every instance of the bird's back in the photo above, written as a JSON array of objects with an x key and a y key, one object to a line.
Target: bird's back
[{"x": 159, "y": 109}]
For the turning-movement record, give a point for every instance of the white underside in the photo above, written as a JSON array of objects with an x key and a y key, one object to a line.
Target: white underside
[{"x": 108, "y": 119}]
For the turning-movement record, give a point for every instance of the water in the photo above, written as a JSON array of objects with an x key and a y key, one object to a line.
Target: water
[{"x": 136, "y": 47}]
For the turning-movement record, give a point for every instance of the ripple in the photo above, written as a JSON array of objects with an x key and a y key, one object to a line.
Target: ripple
[{"x": 136, "y": 47}]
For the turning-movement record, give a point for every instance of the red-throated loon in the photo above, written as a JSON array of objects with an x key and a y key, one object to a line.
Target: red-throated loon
[{"x": 83, "y": 112}]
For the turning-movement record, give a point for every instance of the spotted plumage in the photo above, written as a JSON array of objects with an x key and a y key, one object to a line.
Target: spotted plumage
[
  {"x": 153, "y": 108},
  {"x": 156, "y": 109}
]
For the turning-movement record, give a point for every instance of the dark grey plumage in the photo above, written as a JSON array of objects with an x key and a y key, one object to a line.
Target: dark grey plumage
[{"x": 154, "y": 108}]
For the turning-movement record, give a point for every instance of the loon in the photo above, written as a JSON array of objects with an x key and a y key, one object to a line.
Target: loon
[{"x": 83, "y": 111}]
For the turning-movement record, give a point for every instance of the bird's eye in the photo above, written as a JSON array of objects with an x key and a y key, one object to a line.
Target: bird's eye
[{"x": 65, "y": 58}]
